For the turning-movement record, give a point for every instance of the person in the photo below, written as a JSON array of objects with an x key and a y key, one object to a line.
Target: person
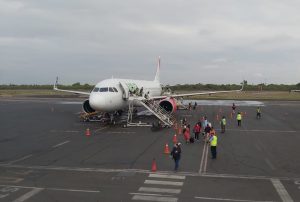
[
  {"x": 204, "y": 122},
  {"x": 190, "y": 105},
  {"x": 239, "y": 119},
  {"x": 258, "y": 113},
  {"x": 186, "y": 134},
  {"x": 233, "y": 108},
  {"x": 213, "y": 145},
  {"x": 195, "y": 106},
  {"x": 223, "y": 124},
  {"x": 206, "y": 132},
  {"x": 141, "y": 91},
  {"x": 176, "y": 154},
  {"x": 197, "y": 130}
]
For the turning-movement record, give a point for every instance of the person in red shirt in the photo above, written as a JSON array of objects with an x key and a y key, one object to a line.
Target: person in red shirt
[
  {"x": 197, "y": 130},
  {"x": 187, "y": 134}
]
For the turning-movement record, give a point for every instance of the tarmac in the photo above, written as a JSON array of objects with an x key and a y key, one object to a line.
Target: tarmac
[{"x": 46, "y": 156}]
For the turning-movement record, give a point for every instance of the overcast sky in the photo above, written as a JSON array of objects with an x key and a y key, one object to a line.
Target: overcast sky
[{"x": 199, "y": 41}]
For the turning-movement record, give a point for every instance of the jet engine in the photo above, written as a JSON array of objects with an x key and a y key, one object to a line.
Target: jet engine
[
  {"x": 169, "y": 104},
  {"x": 87, "y": 107}
]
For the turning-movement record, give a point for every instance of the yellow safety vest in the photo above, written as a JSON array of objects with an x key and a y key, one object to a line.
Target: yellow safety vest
[
  {"x": 224, "y": 122},
  {"x": 258, "y": 110},
  {"x": 239, "y": 117},
  {"x": 214, "y": 141}
]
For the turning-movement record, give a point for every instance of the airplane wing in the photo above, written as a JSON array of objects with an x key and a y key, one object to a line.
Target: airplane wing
[
  {"x": 200, "y": 93},
  {"x": 68, "y": 91}
]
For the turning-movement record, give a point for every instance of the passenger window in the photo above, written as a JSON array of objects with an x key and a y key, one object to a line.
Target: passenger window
[
  {"x": 96, "y": 90},
  {"x": 111, "y": 89},
  {"x": 103, "y": 89},
  {"x": 115, "y": 89}
]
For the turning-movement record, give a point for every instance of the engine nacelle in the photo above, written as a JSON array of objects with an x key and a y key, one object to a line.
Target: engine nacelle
[
  {"x": 87, "y": 107},
  {"x": 169, "y": 104}
]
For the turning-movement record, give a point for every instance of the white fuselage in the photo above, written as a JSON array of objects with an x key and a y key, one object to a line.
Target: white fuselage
[{"x": 112, "y": 94}]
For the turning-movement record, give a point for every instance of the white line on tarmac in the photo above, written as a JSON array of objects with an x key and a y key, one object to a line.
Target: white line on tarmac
[
  {"x": 270, "y": 164},
  {"x": 100, "y": 129},
  {"x": 20, "y": 159},
  {"x": 206, "y": 156},
  {"x": 54, "y": 189},
  {"x": 111, "y": 170},
  {"x": 28, "y": 195},
  {"x": 160, "y": 190},
  {"x": 284, "y": 195},
  {"x": 267, "y": 131},
  {"x": 11, "y": 179},
  {"x": 154, "y": 198},
  {"x": 147, "y": 194},
  {"x": 202, "y": 159},
  {"x": 163, "y": 182},
  {"x": 119, "y": 132},
  {"x": 227, "y": 199},
  {"x": 179, "y": 177},
  {"x": 60, "y": 144}
]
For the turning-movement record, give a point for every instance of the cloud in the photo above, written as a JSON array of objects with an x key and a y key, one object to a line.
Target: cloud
[{"x": 87, "y": 41}]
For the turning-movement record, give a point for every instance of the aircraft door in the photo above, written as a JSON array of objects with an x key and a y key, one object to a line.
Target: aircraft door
[{"x": 125, "y": 91}]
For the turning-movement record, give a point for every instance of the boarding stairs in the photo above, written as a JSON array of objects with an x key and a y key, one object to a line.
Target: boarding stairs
[{"x": 167, "y": 118}]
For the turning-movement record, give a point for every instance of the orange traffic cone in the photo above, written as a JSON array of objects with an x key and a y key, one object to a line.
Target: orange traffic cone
[
  {"x": 167, "y": 151},
  {"x": 87, "y": 132},
  {"x": 175, "y": 139},
  {"x": 153, "y": 168}
]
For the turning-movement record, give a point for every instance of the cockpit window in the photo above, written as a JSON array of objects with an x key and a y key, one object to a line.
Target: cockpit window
[
  {"x": 103, "y": 89},
  {"x": 111, "y": 89},
  {"x": 115, "y": 89},
  {"x": 96, "y": 90}
]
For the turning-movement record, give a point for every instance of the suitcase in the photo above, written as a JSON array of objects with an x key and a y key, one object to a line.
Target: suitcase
[{"x": 192, "y": 140}]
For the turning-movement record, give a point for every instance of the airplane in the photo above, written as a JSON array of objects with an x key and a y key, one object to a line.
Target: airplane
[
  {"x": 298, "y": 91},
  {"x": 112, "y": 95}
]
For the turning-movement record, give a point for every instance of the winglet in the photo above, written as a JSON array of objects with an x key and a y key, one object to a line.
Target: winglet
[{"x": 243, "y": 84}]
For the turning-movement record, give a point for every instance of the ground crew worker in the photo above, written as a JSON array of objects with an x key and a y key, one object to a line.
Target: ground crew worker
[
  {"x": 213, "y": 146},
  {"x": 258, "y": 113},
  {"x": 223, "y": 124},
  {"x": 233, "y": 108},
  {"x": 239, "y": 119},
  {"x": 195, "y": 106},
  {"x": 176, "y": 153}
]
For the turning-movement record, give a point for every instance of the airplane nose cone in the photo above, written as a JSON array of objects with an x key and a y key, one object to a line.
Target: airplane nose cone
[{"x": 97, "y": 102}]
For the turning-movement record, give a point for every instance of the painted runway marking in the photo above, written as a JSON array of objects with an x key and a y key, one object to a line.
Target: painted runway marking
[
  {"x": 60, "y": 144},
  {"x": 160, "y": 190},
  {"x": 284, "y": 195},
  {"x": 206, "y": 156},
  {"x": 179, "y": 177},
  {"x": 267, "y": 131},
  {"x": 111, "y": 170},
  {"x": 227, "y": 199},
  {"x": 163, "y": 182},
  {"x": 203, "y": 157},
  {"x": 100, "y": 129},
  {"x": 154, "y": 198},
  {"x": 146, "y": 194},
  {"x": 53, "y": 189},
  {"x": 11, "y": 179},
  {"x": 270, "y": 164},
  {"x": 20, "y": 159},
  {"x": 28, "y": 195}
]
